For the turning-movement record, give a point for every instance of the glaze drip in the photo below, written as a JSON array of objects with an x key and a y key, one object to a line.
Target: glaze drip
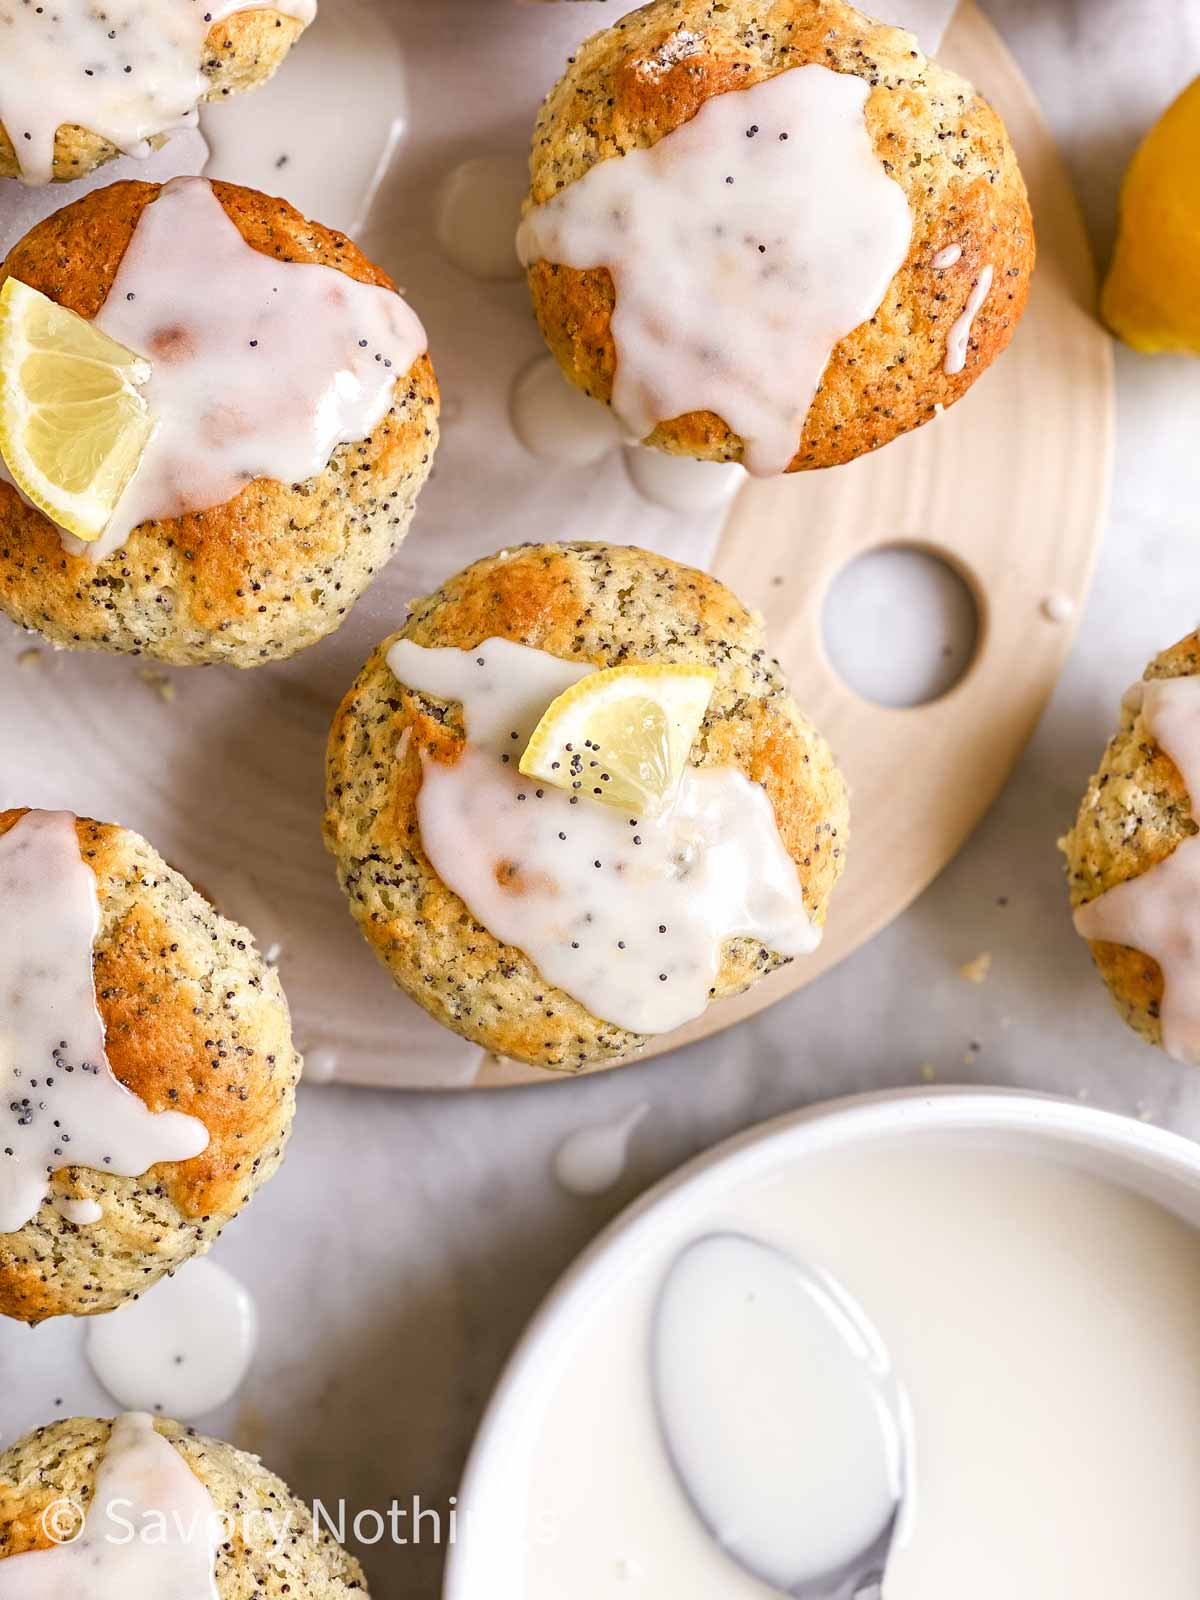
[
  {"x": 628, "y": 915},
  {"x": 266, "y": 380},
  {"x": 1158, "y": 912},
  {"x": 743, "y": 247},
  {"x": 591, "y": 1160},
  {"x": 151, "y": 1532},
  {"x": 127, "y": 70},
  {"x": 60, "y": 1103},
  {"x": 959, "y": 341}
]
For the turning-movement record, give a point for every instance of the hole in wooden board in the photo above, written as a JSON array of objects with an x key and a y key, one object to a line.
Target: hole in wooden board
[{"x": 901, "y": 625}]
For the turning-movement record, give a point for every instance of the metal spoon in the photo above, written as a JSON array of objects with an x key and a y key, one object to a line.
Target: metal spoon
[{"x": 781, "y": 1415}]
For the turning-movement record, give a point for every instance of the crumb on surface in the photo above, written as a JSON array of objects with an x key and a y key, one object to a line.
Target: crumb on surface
[
  {"x": 977, "y": 970},
  {"x": 163, "y": 686}
]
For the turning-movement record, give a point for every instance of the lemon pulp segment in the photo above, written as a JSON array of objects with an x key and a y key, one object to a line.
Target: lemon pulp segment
[
  {"x": 73, "y": 425},
  {"x": 622, "y": 736}
]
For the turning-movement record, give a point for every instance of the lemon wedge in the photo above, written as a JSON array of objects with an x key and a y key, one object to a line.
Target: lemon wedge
[
  {"x": 1152, "y": 297},
  {"x": 622, "y": 736},
  {"x": 73, "y": 426}
]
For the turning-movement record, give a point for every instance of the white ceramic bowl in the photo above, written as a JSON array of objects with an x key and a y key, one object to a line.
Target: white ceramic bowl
[{"x": 493, "y": 1499}]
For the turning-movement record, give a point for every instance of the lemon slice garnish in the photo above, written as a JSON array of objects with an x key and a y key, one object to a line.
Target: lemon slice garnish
[
  {"x": 72, "y": 423},
  {"x": 622, "y": 736}
]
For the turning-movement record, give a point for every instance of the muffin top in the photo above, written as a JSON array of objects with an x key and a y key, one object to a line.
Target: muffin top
[
  {"x": 963, "y": 280},
  {"x": 1136, "y": 814},
  {"x": 274, "y": 567},
  {"x": 267, "y": 1546},
  {"x": 591, "y": 604},
  {"x": 195, "y": 1024},
  {"x": 163, "y": 53}
]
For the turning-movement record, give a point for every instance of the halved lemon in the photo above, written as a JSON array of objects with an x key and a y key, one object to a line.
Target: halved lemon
[
  {"x": 622, "y": 736},
  {"x": 72, "y": 423}
]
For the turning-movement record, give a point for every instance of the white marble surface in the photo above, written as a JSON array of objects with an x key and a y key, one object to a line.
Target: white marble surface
[{"x": 409, "y": 1237}]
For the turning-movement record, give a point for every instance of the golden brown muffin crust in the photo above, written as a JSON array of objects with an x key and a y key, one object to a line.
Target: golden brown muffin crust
[
  {"x": 273, "y": 1550},
  {"x": 1136, "y": 812},
  {"x": 239, "y": 53},
  {"x": 607, "y": 605},
  {"x": 194, "y": 1022},
  {"x": 268, "y": 572},
  {"x": 628, "y": 86}
]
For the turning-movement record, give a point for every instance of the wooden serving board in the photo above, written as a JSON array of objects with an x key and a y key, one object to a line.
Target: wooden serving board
[
  {"x": 223, "y": 770},
  {"x": 1010, "y": 487}
]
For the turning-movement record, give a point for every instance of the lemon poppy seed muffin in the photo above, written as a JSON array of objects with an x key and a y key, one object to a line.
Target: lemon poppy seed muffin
[
  {"x": 1139, "y": 817},
  {"x": 277, "y": 566},
  {"x": 269, "y": 1549},
  {"x": 194, "y": 1023},
  {"x": 582, "y": 607},
  {"x": 957, "y": 286},
  {"x": 240, "y": 52}
]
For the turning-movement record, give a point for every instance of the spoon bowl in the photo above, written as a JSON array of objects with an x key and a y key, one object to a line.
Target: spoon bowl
[{"x": 767, "y": 1361}]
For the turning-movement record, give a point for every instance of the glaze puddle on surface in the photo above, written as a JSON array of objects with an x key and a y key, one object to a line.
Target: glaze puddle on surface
[
  {"x": 1058, "y": 608},
  {"x": 558, "y": 423},
  {"x": 61, "y": 1104},
  {"x": 592, "y": 1160},
  {"x": 182, "y": 1349},
  {"x": 764, "y": 1362},
  {"x": 22, "y": 208},
  {"x": 151, "y": 1531},
  {"x": 478, "y": 212},
  {"x": 1041, "y": 1319},
  {"x": 323, "y": 131},
  {"x": 679, "y": 483},
  {"x": 320, "y": 1065},
  {"x": 627, "y": 915},
  {"x": 296, "y": 360},
  {"x": 562, "y": 426},
  {"x": 743, "y": 247},
  {"x": 1158, "y": 913},
  {"x": 127, "y": 71}
]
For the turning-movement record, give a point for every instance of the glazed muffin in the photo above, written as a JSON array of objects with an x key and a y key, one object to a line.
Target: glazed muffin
[
  {"x": 1132, "y": 855},
  {"x": 191, "y": 1020},
  {"x": 268, "y": 1546},
  {"x": 275, "y": 565},
  {"x": 932, "y": 166},
  {"x": 563, "y": 612},
  {"x": 157, "y": 56}
]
